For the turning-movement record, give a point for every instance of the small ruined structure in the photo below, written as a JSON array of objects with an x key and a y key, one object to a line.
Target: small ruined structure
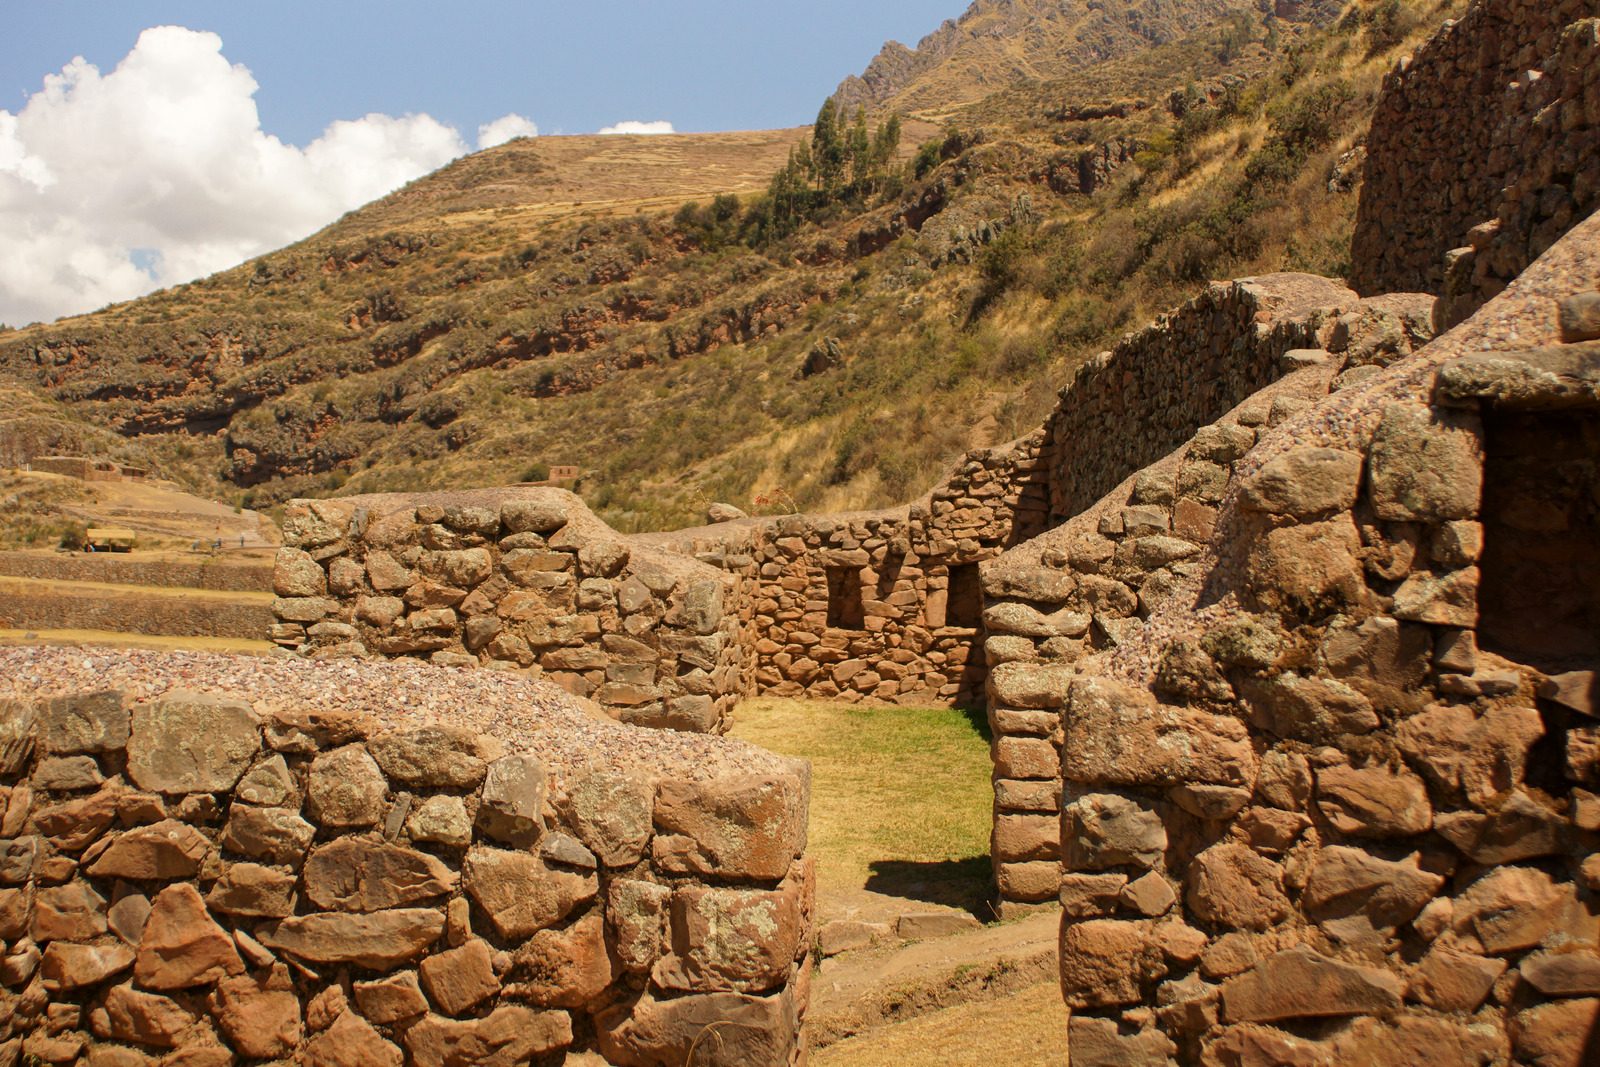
[
  {"x": 214, "y": 859},
  {"x": 88, "y": 470}
]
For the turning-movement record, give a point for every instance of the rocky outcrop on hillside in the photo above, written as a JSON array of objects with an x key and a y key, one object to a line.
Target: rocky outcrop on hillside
[{"x": 997, "y": 43}]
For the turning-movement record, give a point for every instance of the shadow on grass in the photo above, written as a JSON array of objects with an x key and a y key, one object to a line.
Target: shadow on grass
[
  {"x": 978, "y": 718},
  {"x": 963, "y": 883}
]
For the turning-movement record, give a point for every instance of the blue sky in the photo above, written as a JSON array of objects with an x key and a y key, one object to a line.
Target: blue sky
[{"x": 569, "y": 67}]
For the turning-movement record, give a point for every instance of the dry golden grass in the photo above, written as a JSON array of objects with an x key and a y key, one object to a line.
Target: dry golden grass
[{"x": 106, "y": 638}]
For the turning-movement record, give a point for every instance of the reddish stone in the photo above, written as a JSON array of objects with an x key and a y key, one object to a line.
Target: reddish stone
[
  {"x": 351, "y": 1042},
  {"x": 71, "y": 912},
  {"x": 392, "y": 999},
  {"x": 143, "y": 1018},
  {"x": 509, "y": 1036},
  {"x": 259, "y": 1014},
  {"x": 461, "y": 978},
  {"x": 732, "y": 939},
  {"x": 1106, "y": 962},
  {"x": 380, "y": 941},
  {"x": 567, "y": 968},
  {"x": 747, "y": 827},
  {"x": 67, "y": 967},
  {"x": 1232, "y": 885},
  {"x": 354, "y": 874},
  {"x": 520, "y": 894},
  {"x": 1300, "y": 983},
  {"x": 182, "y": 946},
  {"x": 167, "y": 851}
]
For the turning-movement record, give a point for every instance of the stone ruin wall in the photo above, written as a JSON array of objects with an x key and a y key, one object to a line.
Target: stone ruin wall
[
  {"x": 1482, "y": 152},
  {"x": 879, "y": 606},
  {"x": 202, "y": 878},
  {"x": 516, "y": 579},
  {"x": 1130, "y": 406},
  {"x": 1337, "y": 800}
]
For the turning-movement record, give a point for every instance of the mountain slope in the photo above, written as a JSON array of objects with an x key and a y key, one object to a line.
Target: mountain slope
[
  {"x": 996, "y": 44},
  {"x": 547, "y": 303}
]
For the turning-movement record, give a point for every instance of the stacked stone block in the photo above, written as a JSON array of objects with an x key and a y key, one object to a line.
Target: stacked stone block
[
  {"x": 197, "y": 879},
  {"x": 1310, "y": 814},
  {"x": 1481, "y": 152},
  {"x": 525, "y": 580},
  {"x": 1128, "y": 407}
]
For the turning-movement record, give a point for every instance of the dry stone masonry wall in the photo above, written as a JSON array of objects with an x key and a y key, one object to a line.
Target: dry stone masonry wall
[
  {"x": 1482, "y": 152},
  {"x": 523, "y": 580},
  {"x": 1130, "y": 406},
  {"x": 1337, "y": 798},
  {"x": 207, "y": 860},
  {"x": 881, "y": 606}
]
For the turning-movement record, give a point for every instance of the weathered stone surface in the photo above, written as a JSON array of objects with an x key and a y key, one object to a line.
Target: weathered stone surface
[
  {"x": 437, "y": 757},
  {"x": 268, "y": 784},
  {"x": 732, "y": 940},
  {"x": 1031, "y": 685},
  {"x": 391, "y": 999},
  {"x": 182, "y": 946},
  {"x": 1300, "y": 983},
  {"x": 277, "y": 835},
  {"x": 259, "y": 1014},
  {"x": 85, "y": 722},
  {"x": 461, "y": 978},
  {"x": 519, "y": 894},
  {"x": 1509, "y": 908},
  {"x": 296, "y": 574},
  {"x": 746, "y": 827},
  {"x": 1106, "y": 962},
  {"x": 611, "y": 811},
  {"x": 1304, "y": 482},
  {"x": 1518, "y": 828},
  {"x": 1118, "y": 735},
  {"x": 381, "y": 941},
  {"x": 66, "y": 967},
  {"x": 352, "y": 1042},
  {"x": 354, "y": 874},
  {"x": 1448, "y": 980},
  {"x": 441, "y": 820},
  {"x": 1418, "y": 1039},
  {"x": 1017, "y": 838},
  {"x": 345, "y": 789},
  {"x": 1425, "y": 465},
  {"x": 849, "y": 935},
  {"x": 1312, "y": 567},
  {"x": 637, "y": 912},
  {"x": 1151, "y": 895},
  {"x": 191, "y": 743},
  {"x": 1377, "y": 801},
  {"x": 507, "y": 1037},
  {"x": 1232, "y": 885},
  {"x": 1449, "y": 599},
  {"x": 1041, "y": 585},
  {"x": 253, "y": 890},
  {"x": 1467, "y": 754},
  {"x": 527, "y": 516},
  {"x": 1358, "y": 897},
  {"x": 753, "y": 1031},
  {"x": 71, "y": 912},
  {"x": 1091, "y": 896},
  {"x": 512, "y": 804},
  {"x": 143, "y": 1018},
  {"x": 1104, "y": 830},
  {"x": 166, "y": 851},
  {"x": 1026, "y": 758},
  {"x": 1093, "y": 1042},
  {"x": 566, "y": 968},
  {"x": 1558, "y": 1034},
  {"x": 1573, "y": 973},
  {"x": 1307, "y": 709}
]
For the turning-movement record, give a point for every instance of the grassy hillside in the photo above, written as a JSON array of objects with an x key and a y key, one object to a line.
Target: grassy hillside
[{"x": 550, "y": 301}]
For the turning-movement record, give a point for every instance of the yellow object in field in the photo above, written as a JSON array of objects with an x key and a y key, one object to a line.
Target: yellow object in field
[{"x": 110, "y": 539}]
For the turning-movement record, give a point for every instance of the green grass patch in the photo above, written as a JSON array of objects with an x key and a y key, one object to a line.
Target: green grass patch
[{"x": 900, "y": 797}]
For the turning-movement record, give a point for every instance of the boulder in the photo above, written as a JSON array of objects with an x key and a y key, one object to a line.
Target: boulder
[
  {"x": 732, "y": 940},
  {"x": 188, "y": 742},
  {"x": 1234, "y": 886},
  {"x": 742, "y": 827},
  {"x": 1300, "y": 983},
  {"x": 1304, "y": 482}
]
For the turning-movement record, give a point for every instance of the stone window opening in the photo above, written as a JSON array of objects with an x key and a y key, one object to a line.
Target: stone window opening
[
  {"x": 844, "y": 599},
  {"x": 965, "y": 606}
]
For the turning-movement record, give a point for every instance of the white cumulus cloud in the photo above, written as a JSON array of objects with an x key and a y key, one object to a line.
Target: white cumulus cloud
[
  {"x": 112, "y": 185},
  {"x": 635, "y": 126},
  {"x": 505, "y": 128}
]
